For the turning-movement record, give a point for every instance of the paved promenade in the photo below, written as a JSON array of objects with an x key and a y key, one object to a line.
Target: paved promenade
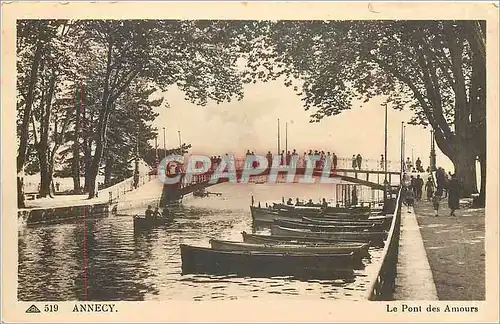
[
  {"x": 148, "y": 185},
  {"x": 455, "y": 250},
  {"x": 414, "y": 279},
  {"x": 441, "y": 257}
]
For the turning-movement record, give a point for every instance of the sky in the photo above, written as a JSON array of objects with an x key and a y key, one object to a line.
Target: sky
[{"x": 251, "y": 123}]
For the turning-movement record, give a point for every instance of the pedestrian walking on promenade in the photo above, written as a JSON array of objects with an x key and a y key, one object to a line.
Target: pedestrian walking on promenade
[
  {"x": 435, "y": 203},
  {"x": 429, "y": 188},
  {"x": 413, "y": 184},
  {"x": 409, "y": 199},
  {"x": 440, "y": 180},
  {"x": 453, "y": 195},
  {"x": 419, "y": 182}
]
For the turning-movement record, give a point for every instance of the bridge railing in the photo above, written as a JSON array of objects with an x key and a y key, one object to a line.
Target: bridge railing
[
  {"x": 382, "y": 283},
  {"x": 342, "y": 163},
  {"x": 118, "y": 190}
]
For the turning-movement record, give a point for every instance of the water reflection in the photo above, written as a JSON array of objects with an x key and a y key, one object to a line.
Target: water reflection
[{"x": 120, "y": 264}]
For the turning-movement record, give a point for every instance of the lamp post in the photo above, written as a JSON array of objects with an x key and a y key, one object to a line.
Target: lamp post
[
  {"x": 279, "y": 152},
  {"x": 386, "y": 183},
  {"x": 156, "y": 146},
  {"x": 286, "y": 138},
  {"x": 432, "y": 165},
  {"x": 136, "y": 169},
  {"x": 164, "y": 142},
  {"x": 402, "y": 157}
]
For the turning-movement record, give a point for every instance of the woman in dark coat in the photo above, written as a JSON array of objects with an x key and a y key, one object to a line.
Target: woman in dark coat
[{"x": 453, "y": 194}]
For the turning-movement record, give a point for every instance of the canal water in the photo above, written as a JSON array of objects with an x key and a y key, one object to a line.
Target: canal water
[{"x": 57, "y": 262}]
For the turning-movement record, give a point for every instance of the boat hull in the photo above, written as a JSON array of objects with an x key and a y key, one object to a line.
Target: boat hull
[
  {"x": 328, "y": 228},
  {"x": 144, "y": 223},
  {"x": 331, "y": 222},
  {"x": 347, "y": 215},
  {"x": 197, "y": 260},
  {"x": 359, "y": 249},
  {"x": 374, "y": 237},
  {"x": 282, "y": 239},
  {"x": 266, "y": 215}
]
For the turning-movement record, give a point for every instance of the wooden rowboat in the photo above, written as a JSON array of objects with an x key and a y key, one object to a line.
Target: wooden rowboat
[
  {"x": 281, "y": 239},
  {"x": 328, "y": 228},
  {"x": 141, "y": 222},
  {"x": 359, "y": 249},
  {"x": 331, "y": 222},
  {"x": 318, "y": 207},
  {"x": 367, "y": 236},
  {"x": 339, "y": 215},
  {"x": 268, "y": 215},
  {"x": 265, "y": 264}
]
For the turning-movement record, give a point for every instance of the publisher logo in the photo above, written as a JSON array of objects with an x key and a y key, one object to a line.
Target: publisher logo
[{"x": 32, "y": 310}]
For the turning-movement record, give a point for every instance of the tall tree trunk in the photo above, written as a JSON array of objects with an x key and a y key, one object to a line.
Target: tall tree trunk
[
  {"x": 465, "y": 168},
  {"x": 44, "y": 173},
  {"x": 76, "y": 147},
  {"x": 87, "y": 148},
  {"x": 107, "y": 171},
  {"x": 23, "y": 141},
  {"x": 50, "y": 173},
  {"x": 43, "y": 146},
  {"x": 101, "y": 128},
  {"x": 481, "y": 201},
  {"x": 87, "y": 161},
  {"x": 96, "y": 160}
]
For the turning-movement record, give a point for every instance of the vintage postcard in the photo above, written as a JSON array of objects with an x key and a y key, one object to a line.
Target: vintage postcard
[{"x": 249, "y": 162}]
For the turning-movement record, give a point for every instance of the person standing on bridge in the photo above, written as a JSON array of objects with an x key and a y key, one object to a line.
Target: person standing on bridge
[
  {"x": 295, "y": 158},
  {"x": 269, "y": 158},
  {"x": 354, "y": 162},
  {"x": 408, "y": 164},
  {"x": 382, "y": 164},
  {"x": 359, "y": 160},
  {"x": 248, "y": 159},
  {"x": 418, "y": 165},
  {"x": 334, "y": 161}
]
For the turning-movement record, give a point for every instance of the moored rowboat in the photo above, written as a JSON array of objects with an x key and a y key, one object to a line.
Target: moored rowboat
[
  {"x": 331, "y": 222},
  {"x": 359, "y": 249},
  {"x": 328, "y": 228},
  {"x": 258, "y": 263},
  {"x": 367, "y": 236},
  {"x": 268, "y": 215},
  {"x": 281, "y": 239}
]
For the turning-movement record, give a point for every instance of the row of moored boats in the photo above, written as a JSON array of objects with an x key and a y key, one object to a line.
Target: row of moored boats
[{"x": 305, "y": 241}]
